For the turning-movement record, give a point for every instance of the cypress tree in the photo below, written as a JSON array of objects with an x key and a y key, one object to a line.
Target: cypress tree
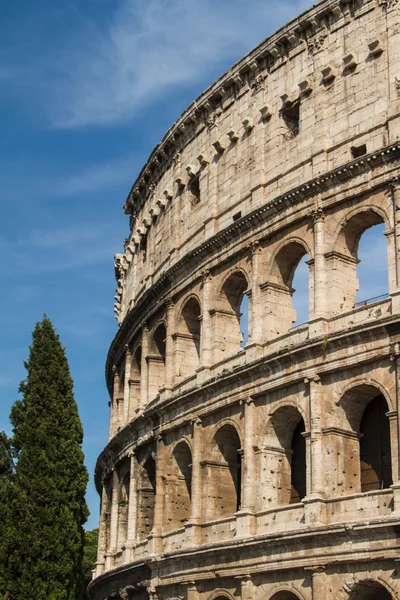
[{"x": 48, "y": 507}]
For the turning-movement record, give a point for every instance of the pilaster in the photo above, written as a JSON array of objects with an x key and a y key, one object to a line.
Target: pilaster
[
  {"x": 144, "y": 371},
  {"x": 128, "y": 363}
]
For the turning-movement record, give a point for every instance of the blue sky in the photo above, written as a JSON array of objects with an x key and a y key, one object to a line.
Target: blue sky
[{"x": 87, "y": 88}]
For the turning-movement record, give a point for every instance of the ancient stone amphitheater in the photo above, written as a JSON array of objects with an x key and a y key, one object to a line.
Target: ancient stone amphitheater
[{"x": 266, "y": 468}]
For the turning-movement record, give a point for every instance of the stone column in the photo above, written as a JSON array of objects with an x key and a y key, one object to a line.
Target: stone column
[
  {"x": 315, "y": 506},
  {"x": 192, "y": 526},
  {"x": 101, "y": 548},
  {"x": 197, "y": 452},
  {"x": 318, "y": 317},
  {"x": 144, "y": 370},
  {"x": 395, "y": 358},
  {"x": 191, "y": 590},
  {"x": 319, "y": 584},
  {"x": 247, "y": 587},
  {"x": 114, "y": 404},
  {"x": 256, "y": 304},
  {"x": 206, "y": 333},
  {"x": 114, "y": 513},
  {"x": 156, "y": 534},
  {"x": 169, "y": 346},
  {"x": 127, "y": 387},
  {"x": 132, "y": 509},
  {"x": 246, "y": 524},
  {"x": 394, "y": 247}
]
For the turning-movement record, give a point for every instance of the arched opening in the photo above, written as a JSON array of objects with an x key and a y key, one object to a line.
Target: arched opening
[
  {"x": 286, "y": 466},
  {"x": 224, "y": 474},
  {"x": 375, "y": 457},
  {"x": 283, "y": 301},
  {"x": 156, "y": 361},
  {"x": 230, "y": 325},
  {"x": 123, "y": 505},
  {"x": 135, "y": 383},
  {"x": 244, "y": 320},
  {"x": 188, "y": 338},
  {"x": 146, "y": 492},
  {"x": 372, "y": 269},
  {"x": 369, "y": 590},
  {"x": 285, "y": 595},
  {"x": 178, "y": 487},
  {"x": 364, "y": 450},
  {"x": 300, "y": 292},
  {"x": 358, "y": 265},
  {"x": 298, "y": 465}
]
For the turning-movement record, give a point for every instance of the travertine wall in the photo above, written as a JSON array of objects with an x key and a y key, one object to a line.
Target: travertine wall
[{"x": 265, "y": 470}]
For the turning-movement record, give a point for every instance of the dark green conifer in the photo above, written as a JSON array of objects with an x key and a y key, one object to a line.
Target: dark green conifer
[{"x": 48, "y": 509}]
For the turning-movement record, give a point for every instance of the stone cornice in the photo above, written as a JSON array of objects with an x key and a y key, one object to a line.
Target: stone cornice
[
  {"x": 307, "y": 32},
  {"x": 318, "y": 185}
]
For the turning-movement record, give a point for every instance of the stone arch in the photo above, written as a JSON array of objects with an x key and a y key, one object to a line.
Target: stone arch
[
  {"x": 278, "y": 288},
  {"x": 363, "y": 447},
  {"x": 371, "y": 589},
  {"x": 221, "y": 593},
  {"x": 287, "y": 464},
  {"x": 156, "y": 359},
  {"x": 343, "y": 258},
  {"x": 228, "y": 323},
  {"x": 178, "y": 489},
  {"x": 280, "y": 592},
  {"x": 188, "y": 337},
  {"x": 223, "y": 473}
]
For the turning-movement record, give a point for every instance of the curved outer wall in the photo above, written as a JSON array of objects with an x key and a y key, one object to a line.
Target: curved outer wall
[{"x": 251, "y": 471}]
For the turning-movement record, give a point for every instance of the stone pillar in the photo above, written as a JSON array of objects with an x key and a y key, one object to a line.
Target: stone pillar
[
  {"x": 197, "y": 455},
  {"x": 315, "y": 506},
  {"x": 394, "y": 247},
  {"x": 102, "y": 544},
  {"x": 319, "y": 314},
  {"x": 169, "y": 346},
  {"x": 156, "y": 534},
  {"x": 246, "y": 522},
  {"x": 256, "y": 304},
  {"x": 114, "y": 404},
  {"x": 191, "y": 590},
  {"x": 114, "y": 513},
  {"x": 144, "y": 370},
  {"x": 206, "y": 333},
  {"x": 319, "y": 584},
  {"x": 395, "y": 443},
  {"x": 246, "y": 587},
  {"x": 127, "y": 380},
  {"x": 192, "y": 526},
  {"x": 132, "y": 509}
]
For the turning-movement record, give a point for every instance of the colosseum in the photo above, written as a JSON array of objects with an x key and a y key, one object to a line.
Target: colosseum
[{"x": 263, "y": 467}]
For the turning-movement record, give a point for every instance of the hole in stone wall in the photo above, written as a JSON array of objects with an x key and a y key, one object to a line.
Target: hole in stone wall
[
  {"x": 237, "y": 216},
  {"x": 291, "y": 116},
  {"x": 194, "y": 189},
  {"x": 357, "y": 151}
]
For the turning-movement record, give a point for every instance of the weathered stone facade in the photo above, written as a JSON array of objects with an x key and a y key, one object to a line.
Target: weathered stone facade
[{"x": 269, "y": 471}]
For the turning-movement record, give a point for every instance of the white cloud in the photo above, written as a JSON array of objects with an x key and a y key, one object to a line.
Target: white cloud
[{"x": 150, "y": 48}]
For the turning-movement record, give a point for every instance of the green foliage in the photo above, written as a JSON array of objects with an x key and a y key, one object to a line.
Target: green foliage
[
  {"x": 90, "y": 554},
  {"x": 47, "y": 508}
]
